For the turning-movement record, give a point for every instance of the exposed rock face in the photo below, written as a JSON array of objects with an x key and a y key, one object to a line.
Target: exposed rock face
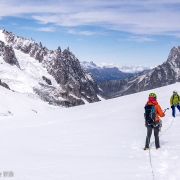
[
  {"x": 27, "y": 46},
  {"x": 57, "y": 97},
  {"x": 8, "y": 54},
  {"x": 165, "y": 74},
  {"x": 75, "y": 83},
  {"x": 4, "y": 84},
  {"x": 48, "y": 81},
  {"x": 66, "y": 69}
]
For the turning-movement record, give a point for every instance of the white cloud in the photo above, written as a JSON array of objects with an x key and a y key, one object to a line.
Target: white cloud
[
  {"x": 46, "y": 29},
  {"x": 140, "y": 39},
  {"x": 135, "y": 16},
  {"x": 86, "y": 33}
]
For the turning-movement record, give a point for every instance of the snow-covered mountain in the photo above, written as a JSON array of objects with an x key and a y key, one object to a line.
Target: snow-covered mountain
[
  {"x": 98, "y": 141},
  {"x": 165, "y": 74},
  {"x": 125, "y": 69},
  {"x": 89, "y": 65},
  {"x": 53, "y": 75},
  {"x": 104, "y": 73}
]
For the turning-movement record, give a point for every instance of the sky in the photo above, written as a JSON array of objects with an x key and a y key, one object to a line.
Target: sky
[{"x": 133, "y": 32}]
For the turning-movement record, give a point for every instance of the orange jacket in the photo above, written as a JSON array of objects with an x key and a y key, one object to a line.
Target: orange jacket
[{"x": 158, "y": 110}]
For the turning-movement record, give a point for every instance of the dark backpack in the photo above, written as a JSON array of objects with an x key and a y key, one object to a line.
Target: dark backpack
[{"x": 149, "y": 114}]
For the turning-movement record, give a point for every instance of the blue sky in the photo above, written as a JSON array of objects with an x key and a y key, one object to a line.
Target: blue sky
[{"x": 133, "y": 32}]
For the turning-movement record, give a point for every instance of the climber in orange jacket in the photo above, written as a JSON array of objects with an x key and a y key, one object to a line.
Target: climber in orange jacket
[{"x": 153, "y": 112}]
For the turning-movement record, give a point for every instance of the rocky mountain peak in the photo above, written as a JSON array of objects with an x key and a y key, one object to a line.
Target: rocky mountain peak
[
  {"x": 75, "y": 85},
  {"x": 174, "y": 54},
  {"x": 40, "y": 45},
  {"x": 59, "y": 49}
]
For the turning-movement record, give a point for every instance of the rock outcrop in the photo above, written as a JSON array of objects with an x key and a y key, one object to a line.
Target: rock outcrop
[
  {"x": 48, "y": 81},
  {"x": 4, "y": 84},
  {"x": 8, "y": 54}
]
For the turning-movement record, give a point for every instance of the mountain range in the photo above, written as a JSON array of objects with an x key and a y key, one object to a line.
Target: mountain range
[
  {"x": 58, "y": 77},
  {"x": 162, "y": 75},
  {"x": 105, "y": 72}
]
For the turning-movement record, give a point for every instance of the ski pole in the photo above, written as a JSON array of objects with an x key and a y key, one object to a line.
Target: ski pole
[{"x": 165, "y": 110}]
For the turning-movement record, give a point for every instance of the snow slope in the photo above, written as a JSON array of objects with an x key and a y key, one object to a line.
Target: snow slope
[
  {"x": 2, "y": 38},
  {"x": 99, "y": 141},
  {"x": 15, "y": 104},
  {"x": 23, "y": 80}
]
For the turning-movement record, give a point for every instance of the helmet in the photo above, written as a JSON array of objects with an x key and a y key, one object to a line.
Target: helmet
[
  {"x": 175, "y": 91},
  {"x": 152, "y": 95}
]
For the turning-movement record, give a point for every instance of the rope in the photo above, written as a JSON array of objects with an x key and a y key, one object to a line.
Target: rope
[
  {"x": 150, "y": 158},
  {"x": 152, "y": 144},
  {"x": 163, "y": 131}
]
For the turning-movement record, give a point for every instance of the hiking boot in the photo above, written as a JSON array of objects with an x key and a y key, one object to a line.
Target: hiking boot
[{"x": 146, "y": 148}]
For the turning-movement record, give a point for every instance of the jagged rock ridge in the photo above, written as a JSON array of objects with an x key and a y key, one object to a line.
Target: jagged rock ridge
[
  {"x": 76, "y": 85},
  {"x": 165, "y": 74}
]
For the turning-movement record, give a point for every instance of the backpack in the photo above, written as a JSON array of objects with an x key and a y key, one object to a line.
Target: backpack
[{"x": 149, "y": 114}]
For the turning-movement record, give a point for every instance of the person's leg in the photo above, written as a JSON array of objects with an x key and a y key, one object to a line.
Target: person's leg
[
  {"x": 178, "y": 107},
  {"x": 156, "y": 135},
  {"x": 173, "y": 110},
  {"x": 148, "y": 137}
]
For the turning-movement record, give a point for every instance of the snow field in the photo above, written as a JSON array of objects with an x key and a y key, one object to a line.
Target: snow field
[{"x": 99, "y": 141}]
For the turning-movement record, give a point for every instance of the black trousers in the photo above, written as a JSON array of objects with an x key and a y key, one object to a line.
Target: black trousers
[{"x": 156, "y": 135}]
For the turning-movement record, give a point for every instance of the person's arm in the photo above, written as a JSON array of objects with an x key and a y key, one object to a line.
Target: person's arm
[
  {"x": 160, "y": 112},
  {"x": 171, "y": 101}
]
